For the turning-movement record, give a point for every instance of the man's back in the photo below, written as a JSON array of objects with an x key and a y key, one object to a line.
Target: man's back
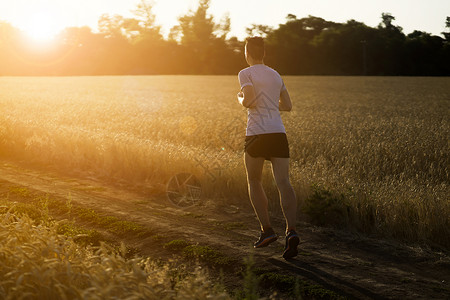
[{"x": 264, "y": 117}]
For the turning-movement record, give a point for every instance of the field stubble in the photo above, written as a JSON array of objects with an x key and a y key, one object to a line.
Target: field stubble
[{"x": 375, "y": 149}]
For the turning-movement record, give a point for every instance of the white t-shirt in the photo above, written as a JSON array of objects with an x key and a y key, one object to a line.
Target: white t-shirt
[{"x": 267, "y": 83}]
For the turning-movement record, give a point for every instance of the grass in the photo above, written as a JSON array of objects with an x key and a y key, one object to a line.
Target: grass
[
  {"x": 27, "y": 222},
  {"x": 296, "y": 287},
  {"x": 35, "y": 211},
  {"x": 39, "y": 263},
  {"x": 39, "y": 207},
  {"x": 206, "y": 254},
  {"x": 232, "y": 226},
  {"x": 54, "y": 260},
  {"x": 21, "y": 191},
  {"x": 257, "y": 280},
  {"x": 327, "y": 208},
  {"x": 111, "y": 223},
  {"x": 382, "y": 142},
  {"x": 80, "y": 235}
]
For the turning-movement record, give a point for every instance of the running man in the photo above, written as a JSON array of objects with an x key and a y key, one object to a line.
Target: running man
[{"x": 264, "y": 94}]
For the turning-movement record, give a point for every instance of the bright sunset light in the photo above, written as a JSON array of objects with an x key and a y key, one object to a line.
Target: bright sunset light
[{"x": 41, "y": 26}]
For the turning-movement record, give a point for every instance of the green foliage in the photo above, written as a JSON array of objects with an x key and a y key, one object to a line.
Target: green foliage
[
  {"x": 293, "y": 285},
  {"x": 21, "y": 191},
  {"x": 327, "y": 208},
  {"x": 207, "y": 254},
  {"x": 176, "y": 245},
  {"x": 32, "y": 211},
  {"x": 203, "y": 253},
  {"x": 251, "y": 280},
  {"x": 234, "y": 225},
  {"x": 111, "y": 223},
  {"x": 80, "y": 235},
  {"x": 38, "y": 208}
]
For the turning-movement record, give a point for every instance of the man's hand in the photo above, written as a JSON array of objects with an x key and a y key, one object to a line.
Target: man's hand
[{"x": 240, "y": 97}]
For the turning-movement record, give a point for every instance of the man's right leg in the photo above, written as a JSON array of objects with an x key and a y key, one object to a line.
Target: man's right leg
[{"x": 280, "y": 168}]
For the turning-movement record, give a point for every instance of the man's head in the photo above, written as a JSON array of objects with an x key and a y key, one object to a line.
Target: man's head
[{"x": 254, "y": 47}]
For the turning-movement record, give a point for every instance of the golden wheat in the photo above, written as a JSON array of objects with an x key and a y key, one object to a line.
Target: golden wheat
[
  {"x": 37, "y": 263},
  {"x": 381, "y": 141}
]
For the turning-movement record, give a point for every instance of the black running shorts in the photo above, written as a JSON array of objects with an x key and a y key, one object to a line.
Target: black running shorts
[{"x": 267, "y": 145}]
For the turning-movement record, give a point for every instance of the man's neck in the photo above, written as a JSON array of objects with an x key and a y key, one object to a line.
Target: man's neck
[{"x": 259, "y": 62}]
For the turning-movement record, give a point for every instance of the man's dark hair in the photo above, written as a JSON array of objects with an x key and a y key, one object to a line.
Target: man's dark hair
[{"x": 255, "y": 47}]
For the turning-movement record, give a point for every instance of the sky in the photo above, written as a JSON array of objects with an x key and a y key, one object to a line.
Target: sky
[{"x": 43, "y": 18}]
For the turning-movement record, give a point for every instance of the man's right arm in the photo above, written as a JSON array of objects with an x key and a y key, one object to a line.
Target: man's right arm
[
  {"x": 285, "y": 103},
  {"x": 247, "y": 97}
]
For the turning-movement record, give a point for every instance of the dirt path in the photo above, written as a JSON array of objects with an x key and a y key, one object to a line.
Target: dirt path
[{"x": 353, "y": 266}]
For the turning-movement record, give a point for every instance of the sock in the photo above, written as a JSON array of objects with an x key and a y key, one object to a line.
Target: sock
[{"x": 268, "y": 230}]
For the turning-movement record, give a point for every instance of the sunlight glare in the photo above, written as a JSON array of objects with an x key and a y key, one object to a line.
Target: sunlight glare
[{"x": 41, "y": 27}]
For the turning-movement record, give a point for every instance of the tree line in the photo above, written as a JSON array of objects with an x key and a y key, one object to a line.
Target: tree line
[{"x": 201, "y": 45}]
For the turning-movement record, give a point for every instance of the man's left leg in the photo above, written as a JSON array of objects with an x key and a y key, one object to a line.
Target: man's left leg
[{"x": 254, "y": 167}]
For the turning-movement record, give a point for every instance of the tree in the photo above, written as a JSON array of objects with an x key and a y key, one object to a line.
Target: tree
[
  {"x": 423, "y": 53},
  {"x": 387, "y": 20},
  {"x": 386, "y": 23},
  {"x": 149, "y": 47},
  {"x": 290, "y": 48},
  {"x": 447, "y": 27},
  {"x": 200, "y": 45},
  {"x": 80, "y": 49},
  {"x": 144, "y": 22},
  {"x": 111, "y": 26},
  {"x": 77, "y": 36},
  {"x": 258, "y": 30},
  {"x": 389, "y": 47},
  {"x": 343, "y": 49},
  {"x": 197, "y": 27},
  {"x": 8, "y": 41},
  {"x": 203, "y": 40},
  {"x": 223, "y": 28}
]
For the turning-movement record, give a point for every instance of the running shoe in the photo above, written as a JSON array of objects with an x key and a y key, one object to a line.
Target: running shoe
[
  {"x": 265, "y": 239},
  {"x": 292, "y": 241}
]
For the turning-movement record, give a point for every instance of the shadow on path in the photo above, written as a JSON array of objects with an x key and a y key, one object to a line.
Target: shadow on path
[{"x": 325, "y": 279}]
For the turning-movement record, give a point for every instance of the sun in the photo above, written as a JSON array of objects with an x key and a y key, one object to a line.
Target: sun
[{"x": 40, "y": 26}]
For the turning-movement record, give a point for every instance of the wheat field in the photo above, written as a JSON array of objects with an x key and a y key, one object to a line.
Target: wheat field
[
  {"x": 376, "y": 147},
  {"x": 39, "y": 263}
]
